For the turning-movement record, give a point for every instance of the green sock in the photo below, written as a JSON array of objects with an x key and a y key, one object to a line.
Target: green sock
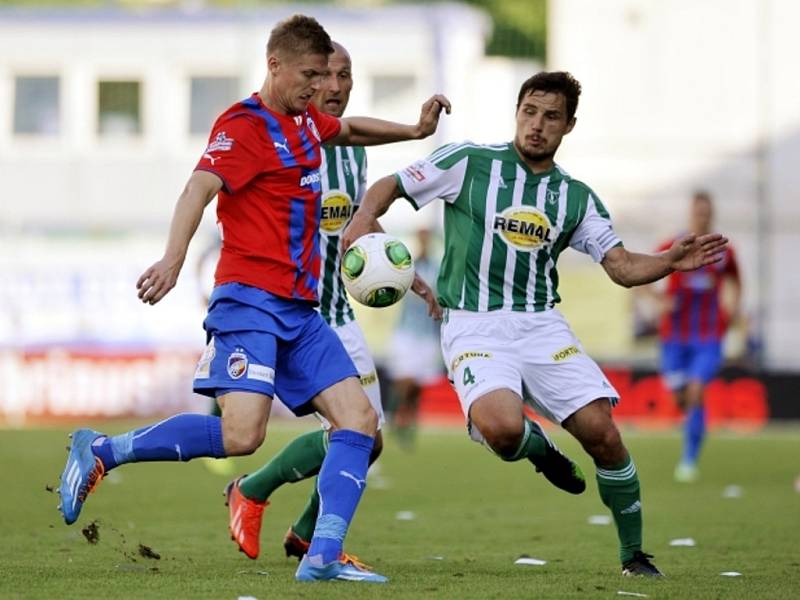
[
  {"x": 300, "y": 459},
  {"x": 532, "y": 445},
  {"x": 304, "y": 526},
  {"x": 619, "y": 490}
]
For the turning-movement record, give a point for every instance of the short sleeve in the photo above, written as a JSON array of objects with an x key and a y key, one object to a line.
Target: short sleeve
[
  {"x": 595, "y": 235},
  {"x": 327, "y": 125},
  {"x": 431, "y": 178},
  {"x": 234, "y": 152}
]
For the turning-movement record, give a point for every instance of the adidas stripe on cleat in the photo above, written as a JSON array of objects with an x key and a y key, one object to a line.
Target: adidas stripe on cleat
[
  {"x": 244, "y": 519},
  {"x": 81, "y": 476}
]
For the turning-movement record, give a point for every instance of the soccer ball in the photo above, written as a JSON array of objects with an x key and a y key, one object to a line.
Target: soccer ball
[{"x": 377, "y": 270}]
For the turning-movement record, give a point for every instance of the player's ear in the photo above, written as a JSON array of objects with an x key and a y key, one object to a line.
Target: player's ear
[
  {"x": 273, "y": 65},
  {"x": 571, "y": 125}
]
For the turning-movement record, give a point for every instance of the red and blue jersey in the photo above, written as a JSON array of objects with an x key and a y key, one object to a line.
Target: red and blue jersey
[
  {"x": 697, "y": 314},
  {"x": 268, "y": 209}
]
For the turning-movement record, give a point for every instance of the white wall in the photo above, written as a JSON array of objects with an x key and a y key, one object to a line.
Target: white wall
[{"x": 679, "y": 95}]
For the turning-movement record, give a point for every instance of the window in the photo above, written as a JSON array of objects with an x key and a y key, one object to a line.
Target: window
[
  {"x": 119, "y": 108},
  {"x": 210, "y": 96},
  {"x": 36, "y": 105}
]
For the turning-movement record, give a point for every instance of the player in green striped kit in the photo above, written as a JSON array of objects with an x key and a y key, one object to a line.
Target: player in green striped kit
[
  {"x": 343, "y": 175},
  {"x": 510, "y": 211}
]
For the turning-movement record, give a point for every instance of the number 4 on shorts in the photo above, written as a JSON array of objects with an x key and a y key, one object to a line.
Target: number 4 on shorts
[{"x": 469, "y": 378}]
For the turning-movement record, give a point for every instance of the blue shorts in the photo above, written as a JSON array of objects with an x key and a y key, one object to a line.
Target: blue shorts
[
  {"x": 682, "y": 362},
  {"x": 262, "y": 343}
]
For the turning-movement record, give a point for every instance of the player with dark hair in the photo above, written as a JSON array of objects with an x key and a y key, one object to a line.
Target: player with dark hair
[
  {"x": 509, "y": 212},
  {"x": 265, "y": 336},
  {"x": 693, "y": 323}
]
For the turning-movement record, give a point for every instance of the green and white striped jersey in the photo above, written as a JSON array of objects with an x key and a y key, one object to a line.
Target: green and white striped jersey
[
  {"x": 343, "y": 174},
  {"x": 504, "y": 226}
]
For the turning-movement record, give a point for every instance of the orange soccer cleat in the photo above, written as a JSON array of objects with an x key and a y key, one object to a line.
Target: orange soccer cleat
[
  {"x": 296, "y": 546},
  {"x": 245, "y": 518}
]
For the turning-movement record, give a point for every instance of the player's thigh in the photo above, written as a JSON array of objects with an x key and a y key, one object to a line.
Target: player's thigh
[
  {"x": 559, "y": 377},
  {"x": 311, "y": 362},
  {"x": 476, "y": 353},
  {"x": 706, "y": 360},
  {"x": 344, "y": 405},
  {"x": 356, "y": 346}
]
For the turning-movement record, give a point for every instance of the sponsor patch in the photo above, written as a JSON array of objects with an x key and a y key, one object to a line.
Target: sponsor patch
[
  {"x": 566, "y": 353},
  {"x": 221, "y": 143},
  {"x": 524, "y": 228},
  {"x": 203, "y": 370},
  {"x": 310, "y": 178},
  {"x": 237, "y": 364},
  {"x": 368, "y": 379},
  {"x": 337, "y": 208},
  {"x": 468, "y": 356},
  {"x": 261, "y": 373},
  {"x": 551, "y": 196},
  {"x": 313, "y": 127},
  {"x": 416, "y": 171}
]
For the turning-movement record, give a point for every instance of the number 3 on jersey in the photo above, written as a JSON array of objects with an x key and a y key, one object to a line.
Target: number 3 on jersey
[{"x": 468, "y": 378}]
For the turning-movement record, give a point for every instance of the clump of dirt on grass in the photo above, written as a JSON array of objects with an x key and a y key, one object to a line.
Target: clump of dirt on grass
[
  {"x": 92, "y": 532},
  {"x": 148, "y": 552}
]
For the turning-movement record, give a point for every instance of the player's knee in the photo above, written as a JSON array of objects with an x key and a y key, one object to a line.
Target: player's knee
[
  {"x": 608, "y": 448},
  {"x": 243, "y": 441},
  {"x": 503, "y": 436}
]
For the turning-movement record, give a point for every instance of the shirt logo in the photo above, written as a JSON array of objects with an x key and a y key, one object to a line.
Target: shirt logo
[
  {"x": 310, "y": 179},
  {"x": 237, "y": 364},
  {"x": 221, "y": 143},
  {"x": 313, "y": 127},
  {"x": 416, "y": 171},
  {"x": 213, "y": 159},
  {"x": 284, "y": 147},
  {"x": 551, "y": 196},
  {"x": 337, "y": 208},
  {"x": 523, "y": 227}
]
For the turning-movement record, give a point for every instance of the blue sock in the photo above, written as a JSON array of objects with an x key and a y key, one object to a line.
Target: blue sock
[
  {"x": 181, "y": 437},
  {"x": 695, "y": 430},
  {"x": 341, "y": 482}
]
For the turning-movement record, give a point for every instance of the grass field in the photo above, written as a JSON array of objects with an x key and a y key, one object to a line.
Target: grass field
[{"x": 474, "y": 512}]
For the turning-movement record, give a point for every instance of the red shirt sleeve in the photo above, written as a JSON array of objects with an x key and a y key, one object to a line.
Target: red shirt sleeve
[
  {"x": 664, "y": 246},
  {"x": 234, "y": 152},
  {"x": 732, "y": 265},
  {"x": 327, "y": 125}
]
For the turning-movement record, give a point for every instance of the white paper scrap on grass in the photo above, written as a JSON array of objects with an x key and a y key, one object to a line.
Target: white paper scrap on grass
[
  {"x": 732, "y": 491},
  {"x": 527, "y": 560},
  {"x": 637, "y": 594},
  {"x": 682, "y": 542},
  {"x": 731, "y": 574},
  {"x": 405, "y": 515},
  {"x": 599, "y": 520},
  {"x": 247, "y": 598},
  {"x": 435, "y": 557}
]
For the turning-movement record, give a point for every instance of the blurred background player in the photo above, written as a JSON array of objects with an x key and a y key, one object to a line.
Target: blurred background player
[
  {"x": 343, "y": 176},
  {"x": 509, "y": 212},
  {"x": 414, "y": 358},
  {"x": 266, "y": 338},
  {"x": 692, "y": 325}
]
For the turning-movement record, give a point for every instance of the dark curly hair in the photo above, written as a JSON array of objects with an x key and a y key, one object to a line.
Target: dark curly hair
[
  {"x": 559, "y": 82},
  {"x": 299, "y": 34}
]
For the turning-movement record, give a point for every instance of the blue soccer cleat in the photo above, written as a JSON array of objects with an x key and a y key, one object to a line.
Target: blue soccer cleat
[
  {"x": 347, "y": 568},
  {"x": 81, "y": 475}
]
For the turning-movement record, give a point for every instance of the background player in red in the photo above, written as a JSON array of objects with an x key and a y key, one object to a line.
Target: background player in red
[
  {"x": 265, "y": 336},
  {"x": 693, "y": 323}
]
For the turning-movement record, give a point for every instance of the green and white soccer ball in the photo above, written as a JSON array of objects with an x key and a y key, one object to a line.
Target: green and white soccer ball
[{"x": 377, "y": 270}]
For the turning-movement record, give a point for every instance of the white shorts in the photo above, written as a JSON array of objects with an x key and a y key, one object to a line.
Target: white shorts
[
  {"x": 414, "y": 357},
  {"x": 535, "y": 355},
  {"x": 356, "y": 346}
]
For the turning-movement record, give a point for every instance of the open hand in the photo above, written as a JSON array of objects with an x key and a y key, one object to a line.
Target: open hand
[
  {"x": 159, "y": 279},
  {"x": 693, "y": 251},
  {"x": 429, "y": 115}
]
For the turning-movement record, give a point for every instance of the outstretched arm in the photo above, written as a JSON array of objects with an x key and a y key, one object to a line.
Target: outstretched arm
[
  {"x": 161, "y": 277},
  {"x": 366, "y": 131},
  {"x": 687, "y": 254},
  {"x": 376, "y": 202}
]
